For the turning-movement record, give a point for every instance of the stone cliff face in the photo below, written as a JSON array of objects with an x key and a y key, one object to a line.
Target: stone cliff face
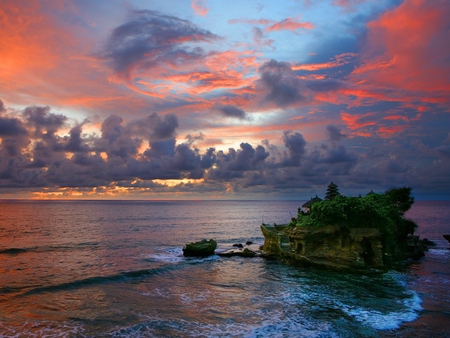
[{"x": 330, "y": 246}]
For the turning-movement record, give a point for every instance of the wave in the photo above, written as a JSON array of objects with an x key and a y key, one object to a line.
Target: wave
[
  {"x": 98, "y": 280},
  {"x": 388, "y": 320},
  {"x": 13, "y": 251},
  {"x": 50, "y": 248},
  {"x": 10, "y": 289}
]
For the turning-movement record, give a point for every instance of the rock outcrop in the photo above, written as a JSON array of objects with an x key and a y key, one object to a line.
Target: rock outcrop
[
  {"x": 202, "y": 248},
  {"x": 334, "y": 246},
  {"x": 330, "y": 246}
]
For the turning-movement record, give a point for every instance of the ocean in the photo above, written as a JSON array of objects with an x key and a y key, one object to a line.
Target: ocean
[{"x": 116, "y": 269}]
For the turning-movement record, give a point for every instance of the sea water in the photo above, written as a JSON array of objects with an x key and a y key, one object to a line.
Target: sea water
[{"x": 116, "y": 269}]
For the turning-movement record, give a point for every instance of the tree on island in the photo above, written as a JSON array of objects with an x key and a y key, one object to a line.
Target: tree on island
[{"x": 401, "y": 198}]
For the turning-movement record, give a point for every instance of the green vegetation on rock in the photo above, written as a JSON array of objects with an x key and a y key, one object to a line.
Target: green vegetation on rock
[{"x": 384, "y": 212}]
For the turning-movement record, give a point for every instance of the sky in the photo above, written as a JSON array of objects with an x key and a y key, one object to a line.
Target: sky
[{"x": 211, "y": 99}]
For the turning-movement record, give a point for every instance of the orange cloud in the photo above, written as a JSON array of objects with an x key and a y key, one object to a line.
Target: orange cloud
[
  {"x": 355, "y": 122},
  {"x": 199, "y": 7},
  {"x": 339, "y": 60},
  {"x": 43, "y": 60},
  {"x": 387, "y": 132},
  {"x": 396, "y": 117},
  {"x": 28, "y": 44},
  {"x": 407, "y": 50},
  {"x": 220, "y": 70},
  {"x": 289, "y": 24}
]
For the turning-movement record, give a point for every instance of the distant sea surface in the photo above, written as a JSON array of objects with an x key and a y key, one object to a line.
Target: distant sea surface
[{"x": 116, "y": 269}]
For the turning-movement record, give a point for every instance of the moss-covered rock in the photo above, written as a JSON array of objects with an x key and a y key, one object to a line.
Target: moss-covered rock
[{"x": 202, "y": 248}]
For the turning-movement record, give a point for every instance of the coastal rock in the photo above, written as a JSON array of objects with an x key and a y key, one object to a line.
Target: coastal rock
[
  {"x": 330, "y": 246},
  {"x": 202, "y": 248},
  {"x": 241, "y": 253},
  {"x": 427, "y": 242},
  {"x": 335, "y": 247}
]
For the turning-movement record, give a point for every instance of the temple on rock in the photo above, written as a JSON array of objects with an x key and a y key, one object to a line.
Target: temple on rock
[{"x": 347, "y": 232}]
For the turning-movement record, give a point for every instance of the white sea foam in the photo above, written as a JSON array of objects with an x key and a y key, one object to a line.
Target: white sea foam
[
  {"x": 42, "y": 329},
  {"x": 175, "y": 255},
  {"x": 276, "y": 326},
  {"x": 440, "y": 251},
  {"x": 389, "y": 320},
  {"x": 168, "y": 255}
]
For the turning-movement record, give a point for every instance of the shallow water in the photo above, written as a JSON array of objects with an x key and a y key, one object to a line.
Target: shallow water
[{"x": 109, "y": 268}]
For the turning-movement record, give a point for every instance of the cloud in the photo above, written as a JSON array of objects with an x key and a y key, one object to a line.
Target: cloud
[
  {"x": 199, "y": 7},
  {"x": 151, "y": 41},
  {"x": 160, "y": 56},
  {"x": 295, "y": 143},
  {"x": 404, "y": 57},
  {"x": 134, "y": 155},
  {"x": 232, "y": 111},
  {"x": 337, "y": 61},
  {"x": 359, "y": 123},
  {"x": 11, "y": 126},
  {"x": 334, "y": 134},
  {"x": 43, "y": 121},
  {"x": 281, "y": 85},
  {"x": 235, "y": 163},
  {"x": 259, "y": 38},
  {"x": 289, "y": 24}
]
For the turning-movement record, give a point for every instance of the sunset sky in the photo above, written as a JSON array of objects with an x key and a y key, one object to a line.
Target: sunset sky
[{"x": 178, "y": 99}]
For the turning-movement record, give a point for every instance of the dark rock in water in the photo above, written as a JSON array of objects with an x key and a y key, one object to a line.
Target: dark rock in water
[
  {"x": 202, "y": 248},
  {"x": 241, "y": 253},
  {"x": 238, "y": 245},
  {"x": 447, "y": 237},
  {"x": 427, "y": 242},
  {"x": 248, "y": 253},
  {"x": 249, "y": 243}
]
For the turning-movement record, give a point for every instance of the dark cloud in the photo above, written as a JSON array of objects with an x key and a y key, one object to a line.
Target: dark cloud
[
  {"x": 232, "y": 111},
  {"x": 193, "y": 138},
  {"x": 235, "y": 163},
  {"x": 2, "y": 107},
  {"x": 44, "y": 123},
  {"x": 10, "y": 127},
  {"x": 281, "y": 84},
  {"x": 334, "y": 134},
  {"x": 295, "y": 143},
  {"x": 32, "y": 154},
  {"x": 160, "y": 148},
  {"x": 75, "y": 142},
  {"x": 163, "y": 127},
  {"x": 393, "y": 166},
  {"x": 339, "y": 154},
  {"x": 149, "y": 38},
  {"x": 116, "y": 139},
  {"x": 208, "y": 159}
]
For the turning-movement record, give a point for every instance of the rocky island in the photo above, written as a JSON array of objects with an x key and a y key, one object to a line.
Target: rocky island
[{"x": 350, "y": 233}]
